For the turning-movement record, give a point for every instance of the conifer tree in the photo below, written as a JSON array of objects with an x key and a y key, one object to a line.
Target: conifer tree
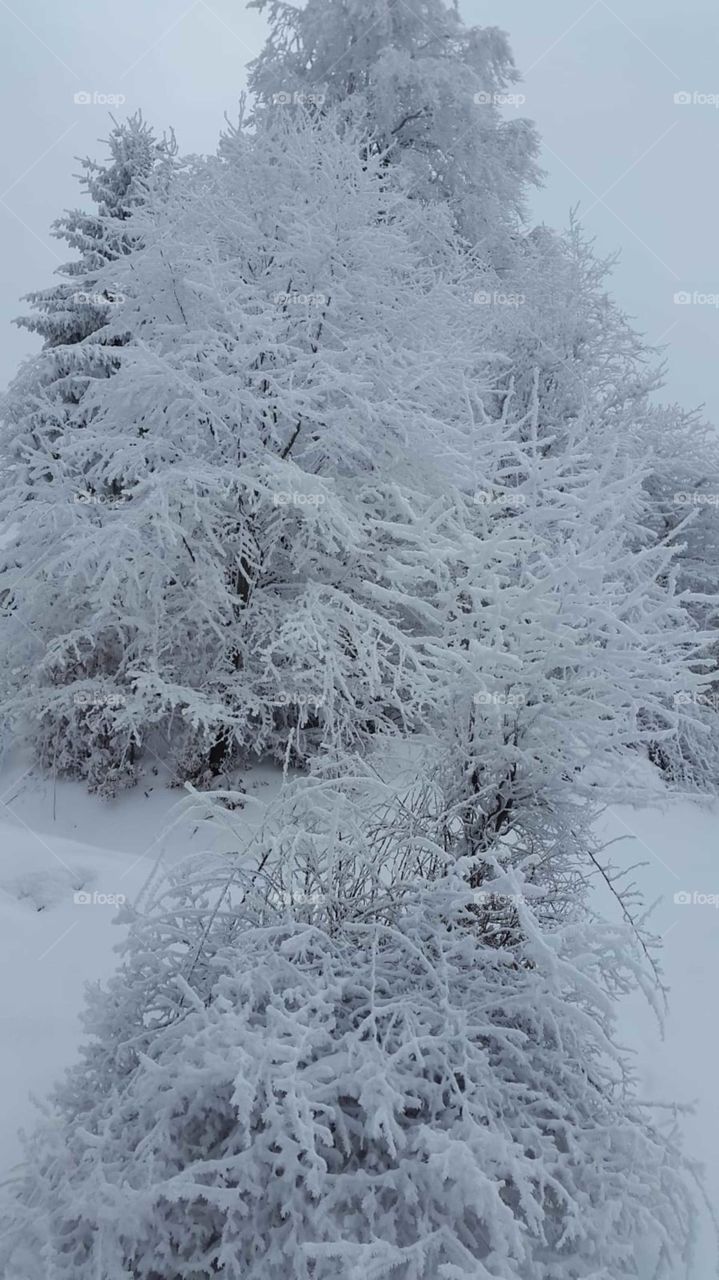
[
  {"x": 46, "y": 410},
  {"x": 71, "y": 311}
]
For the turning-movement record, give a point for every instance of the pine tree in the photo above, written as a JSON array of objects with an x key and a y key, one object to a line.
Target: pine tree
[
  {"x": 46, "y": 410},
  {"x": 70, "y": 312}
]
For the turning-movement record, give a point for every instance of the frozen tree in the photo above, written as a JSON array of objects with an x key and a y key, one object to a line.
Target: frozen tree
[
  {"x": 350, "y": 1071},
  {"x": 71, "y": 311},
  {"x": 304, "y": 470},
  {"x": 429, "y": 91},
  {"x": 594, "y": 378},
  {"x": 378, "y": 1037},
  {"x": 45, "y": 401},
  {"x": 682, "y": 510},
  {"x": 292, "y": 489},
  {"x": 46, "y": 408},
  {"x": 434, "y": 96},
  {"x": 336, "y": 506},
  {"x": 239, "y": 553},
  {"x": 241, "y": 548}
]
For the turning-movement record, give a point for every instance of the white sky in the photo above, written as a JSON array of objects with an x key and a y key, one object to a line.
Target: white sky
[{"x": 599, "y": 79}]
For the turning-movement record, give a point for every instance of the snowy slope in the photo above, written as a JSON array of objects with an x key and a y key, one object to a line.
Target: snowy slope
[
  {"x": 67, "y": 859},
  {"x": 51, "y": 945},
  {"x": 57, "y": 842}
]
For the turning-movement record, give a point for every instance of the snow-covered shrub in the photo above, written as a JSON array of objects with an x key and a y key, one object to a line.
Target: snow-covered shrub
[{"x": 394, "y": 1097}]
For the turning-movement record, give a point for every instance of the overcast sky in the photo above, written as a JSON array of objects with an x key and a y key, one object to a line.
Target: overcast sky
[{"x": 599, "y": 80}]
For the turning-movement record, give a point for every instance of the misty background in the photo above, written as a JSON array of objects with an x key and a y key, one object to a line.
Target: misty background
[{"x": 599, "y": 80}]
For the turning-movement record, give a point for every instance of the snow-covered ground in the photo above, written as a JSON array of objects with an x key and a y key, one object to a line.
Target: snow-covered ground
[{"x": 66, "y": 858}]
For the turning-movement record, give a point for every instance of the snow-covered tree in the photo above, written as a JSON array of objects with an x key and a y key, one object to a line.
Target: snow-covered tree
[
  {"x": 71, "y": 311},
  {"x": 45, "y": 400},
  {"x": 301, "y": 471},
  {"x": 594, "y": 379},
  {"x": 364, "y": 1079},
  {"x": 434, "y": 97},
  {"x": 242, "y": 545},
  {"x": 330, "y": 507},
  {"x": 429, "y": 91},
  {"x": 46, "y": 409}
]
